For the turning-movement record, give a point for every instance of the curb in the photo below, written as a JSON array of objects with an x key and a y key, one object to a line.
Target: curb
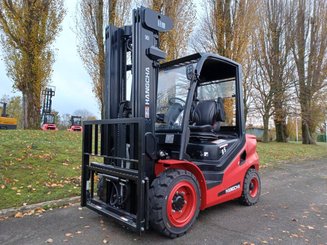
[{"x": 59, "y": 202}]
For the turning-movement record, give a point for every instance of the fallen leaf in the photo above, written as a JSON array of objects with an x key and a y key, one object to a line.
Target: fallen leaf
[
  {"x": 39, "y": 210},
  {"x": 69, "y": 234},
  {"x": 19, "y": 215},
  {"x": 50, "y": 240},
  {"x": 3, "y": 186},
  {"x": 29, "y": 212}
]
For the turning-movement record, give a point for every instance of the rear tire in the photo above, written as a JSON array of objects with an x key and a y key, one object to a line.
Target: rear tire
[
  {"x": 251, "y": 188},
  {"x": 174, "y": 202}
]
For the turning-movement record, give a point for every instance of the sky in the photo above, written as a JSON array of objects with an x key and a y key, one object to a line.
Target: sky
[{"x": 72, "y": 82}]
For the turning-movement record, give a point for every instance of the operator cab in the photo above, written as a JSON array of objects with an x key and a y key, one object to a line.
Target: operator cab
[
  {"x": 48, "y": 119},
  {"x": 199, "y": 96},
  {"x": 76, "y": 121}
]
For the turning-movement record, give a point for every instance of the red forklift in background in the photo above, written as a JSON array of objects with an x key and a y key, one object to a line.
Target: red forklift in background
[
  {"x": 47, "y": 117},
  {"x": 75, "y": 124},
  {"x": 175, "y": 144}
]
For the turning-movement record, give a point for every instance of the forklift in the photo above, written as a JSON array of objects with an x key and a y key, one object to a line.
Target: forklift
[
  {"x": 174, "y": 143},
  {"x": 75, "y": 124},
  {"x": 7, "y": 122},
  {"x": 47, "y": 117}
]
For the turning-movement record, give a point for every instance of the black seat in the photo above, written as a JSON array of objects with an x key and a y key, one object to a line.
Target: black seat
[{"x": 206, "y": 117}]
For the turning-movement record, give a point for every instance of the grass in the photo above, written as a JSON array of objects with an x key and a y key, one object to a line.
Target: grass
[
  {"x": 273, "y": 153},
  {"x": 37, "y": 166}
]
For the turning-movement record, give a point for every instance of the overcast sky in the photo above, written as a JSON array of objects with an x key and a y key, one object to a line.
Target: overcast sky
[{"x": 73, "y": 84}]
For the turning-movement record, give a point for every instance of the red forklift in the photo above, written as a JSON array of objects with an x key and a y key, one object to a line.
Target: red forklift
[
  {"x": 47, "y": 117},
  {"x": 75, "y": 124},
  {"x": 176, "y": 144}
]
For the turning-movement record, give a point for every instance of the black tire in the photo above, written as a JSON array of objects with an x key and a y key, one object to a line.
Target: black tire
[
  {"x": 174, "y": 202},
  {"x": 251, "y": 188}
]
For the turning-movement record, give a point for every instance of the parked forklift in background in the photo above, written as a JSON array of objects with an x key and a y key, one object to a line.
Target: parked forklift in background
[
  {"x": 7, "y": 122},
  {"x": 47, "y": 117},
  {"x": 75, "y": 124},
  {"x": 174, "y": 143}
]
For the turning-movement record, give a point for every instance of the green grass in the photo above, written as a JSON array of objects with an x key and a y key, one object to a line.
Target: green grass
[
  {"x": 273, "y": 153},
  {"x": 37, "y": 166}
]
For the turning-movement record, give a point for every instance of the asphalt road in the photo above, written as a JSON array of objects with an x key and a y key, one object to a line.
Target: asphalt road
[{"x": 292, "y": 210}]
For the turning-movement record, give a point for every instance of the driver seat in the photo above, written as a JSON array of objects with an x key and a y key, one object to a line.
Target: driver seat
[{"x": 206, "y": 118}]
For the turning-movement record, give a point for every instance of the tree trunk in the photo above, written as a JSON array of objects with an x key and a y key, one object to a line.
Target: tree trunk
[
  {"x": 33, "y": 112},
  {"x": 25, "y": 121},
  {"x": 306, "y": 134},
  {"x": 265, "y": 137},
  {"x": 280, "y": 127}
]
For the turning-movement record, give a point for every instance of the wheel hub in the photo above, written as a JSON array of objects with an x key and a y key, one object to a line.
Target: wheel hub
[
  {"x": 178, "y": 202},
  {"x": 181, "y": 204},
  {"x": 253, "y": 187}
]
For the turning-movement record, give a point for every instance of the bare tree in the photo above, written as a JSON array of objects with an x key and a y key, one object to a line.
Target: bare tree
[
  {"x": 227, "y": 30},
  {"x": 273, "y": 57},
  {"x": 309, "y": 48},
  {"x": 262, "y": 96},
  {"x": 93, "y": 16},
  {"x": 28, "y": 29}
]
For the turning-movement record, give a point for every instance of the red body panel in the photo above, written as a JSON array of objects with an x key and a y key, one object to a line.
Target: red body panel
[
  {"x": 47, "y": 126},
  {"x": 75, "y": 128},
  {"x": 233, "y": 174}
]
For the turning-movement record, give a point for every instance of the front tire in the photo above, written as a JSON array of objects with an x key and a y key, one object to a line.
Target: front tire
[
  {"x": 251, "y": 188},
  {"x": 174, "y": 202}
]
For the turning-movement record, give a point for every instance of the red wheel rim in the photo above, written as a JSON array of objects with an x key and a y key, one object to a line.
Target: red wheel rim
[
  {"x": 181, "y": 204},
  {"x": 254, "y": 187}
]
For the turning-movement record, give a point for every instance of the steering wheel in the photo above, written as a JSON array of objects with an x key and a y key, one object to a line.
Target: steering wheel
[{"x": 173, "y": 100}]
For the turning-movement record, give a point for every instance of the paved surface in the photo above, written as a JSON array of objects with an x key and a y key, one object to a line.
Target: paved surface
[{"x": 292, "y": 210}]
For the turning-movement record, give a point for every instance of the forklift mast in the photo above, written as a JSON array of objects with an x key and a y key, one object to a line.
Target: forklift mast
[
  {"x": 125, "y": 139},
  {"x": 4, "y": 109},
  {"x": 140, "y": 42},
  {"x": 47, "y": 94}
]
